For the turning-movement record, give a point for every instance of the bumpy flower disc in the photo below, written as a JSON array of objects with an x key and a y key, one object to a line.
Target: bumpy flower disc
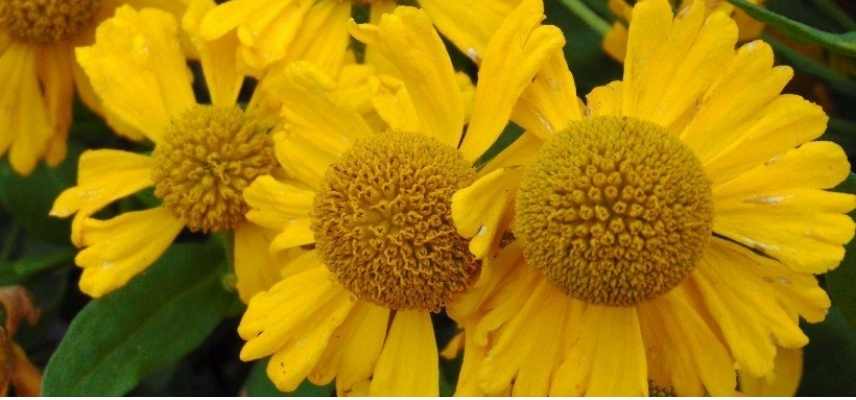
[
  {"x": 208, "y": 156},
  {"x": 382, "y": 222},
  {"x": 46, "y": 21},
  {"x": 614, "y": 211}
]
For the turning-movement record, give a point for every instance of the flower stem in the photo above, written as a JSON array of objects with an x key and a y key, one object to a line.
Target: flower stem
[{"x": 587, "y": 15}]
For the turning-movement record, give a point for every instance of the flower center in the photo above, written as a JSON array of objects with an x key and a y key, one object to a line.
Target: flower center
[
  {"x": 46, "y": 21},
  {"x": 615, "y": 211},
  {"x": 383, "y": 224},
  {"x": 209, "y": 155}
]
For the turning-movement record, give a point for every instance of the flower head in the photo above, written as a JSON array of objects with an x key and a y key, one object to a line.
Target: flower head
[{"x": 665, "y": 236}]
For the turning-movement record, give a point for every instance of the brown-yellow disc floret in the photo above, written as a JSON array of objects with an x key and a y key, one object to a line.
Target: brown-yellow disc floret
[
  {"x": 46, "y": 21},
  {"x": 382, "y": 222},
  {"x": 207, "y": 158},
  {"x": 614, "y": 211}
]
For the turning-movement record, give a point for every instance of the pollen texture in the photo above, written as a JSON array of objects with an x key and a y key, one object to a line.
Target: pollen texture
[
  {"x": 46, "y": 21},
  {"x": 383, "y": 224},
  {"x": 209, "y": 155},
  {"x": 614, "y": 211}
]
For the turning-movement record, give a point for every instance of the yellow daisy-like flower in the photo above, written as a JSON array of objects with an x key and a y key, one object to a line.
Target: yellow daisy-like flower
[
  {"x": 373, "y": 195},
  {"x": 664, "y": 240},
  {"x": 615, "y": 41},
  {"x": 204, "y": 155},
  {"x": 39, "y": 75}
]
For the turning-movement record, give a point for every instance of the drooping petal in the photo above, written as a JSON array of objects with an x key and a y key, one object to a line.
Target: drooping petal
[
  {"x": 103, "y": 176},
  {"x": 744, "y": 306},
  {"x": 408, "y": 364},
  {"x": 481, "y": 211},
  {"x": 25, "y": 123},
  {"x": 469, "y": 25},
  {"x": 57, "y": 81},
  {"x": 120, "y": 248},
  {"x": 143, "y": 45},
  {"x": 255, "y": 269},
  {"x": 515, "y": 54},
  {"x": 785, "y": 380}
]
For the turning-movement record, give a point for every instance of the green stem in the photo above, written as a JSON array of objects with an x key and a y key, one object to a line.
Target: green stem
[
  {"x": 835, "y": 12},
  {"x": 587, "y": 15},
  {"x": 9, "y": 243}
]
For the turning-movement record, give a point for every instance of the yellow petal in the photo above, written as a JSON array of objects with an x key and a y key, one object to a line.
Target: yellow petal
[
  {"x": 143, "y": 45},
  {"x": 681, "y": 342},
  {"x": 273, "y": 203},
  {"x": 683, "y": 67},
  {"x": 550, "y": 103},
  {"x": 776, "y": 209},
  {"x": 407, "y": 39},
  {"x": 649, "y": 31},
  {"x": 519, "y": 154},
  {"x": 745, "y": 85},
  {"x": 395, "y": 106},
  {"x": 290, "y": 365},
  {"x": 255, "y": 269},
  {"x": 362, "y": 341},
  {"x": 469, "y": 25},
  {"x": 269, "y": 33},
  {"x": 24, "y": 117},
  {"x": 744, "y": 306},
  {"x": 786, "y": 122},
  {"x": 103, "y": 176},
  {"x": 120, "y": 248},
  {"x": 615, "y": 42},
  {"x": 605, "y": 100},
  {"x": 514, "y": 55},
  {"x": 57, "y": 78},
  {"x": 408, "y": 363},
  {"x": 608, "y": 359},
  {"x": 469, "y": 306},
  {"x": 323, "y": 36},
  {"x": 226, "y": 17},
  {"x": 273, "y": 317},
  {"x": 482, "y": 210},
  {"x": 785, "y": 380},
  {"x": 295, "y": 233},
  {"x": 218, "y": 56},
  {"x": 468, "y": 377}
]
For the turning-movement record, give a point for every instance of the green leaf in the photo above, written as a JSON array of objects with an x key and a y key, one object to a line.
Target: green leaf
[
  {"x": 15, "y": 272},
  {"x": 150, "y": 324},
  {"x": 841, "y": 282},
  {"x": 828, "y": 367},
  {"x": 29, "y": 199},
  {"x": 842, "y": 43},
  {"x": 259, "y": 385}
]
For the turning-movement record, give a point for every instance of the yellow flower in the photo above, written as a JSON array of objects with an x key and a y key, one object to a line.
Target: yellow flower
[
  {"x": 288, "y": 30},
  {"x": 204, "y": 154},
  {"x": 668, "y": 236},
  {"x": 39, "y": 75},
  {"x": 615, "y": 41},
  {"x": 371, "y": 180}
]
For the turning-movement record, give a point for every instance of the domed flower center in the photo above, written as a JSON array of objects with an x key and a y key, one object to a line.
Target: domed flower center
[
  {"x": 383, "y": 224},
  {"x": 46, "y": 21},
  {"x": 616, "y": 211},
  {"x": 209, "y": 155}
]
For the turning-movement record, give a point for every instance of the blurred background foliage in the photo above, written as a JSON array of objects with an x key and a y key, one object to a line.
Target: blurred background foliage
[{"x": 172, "y": 330}]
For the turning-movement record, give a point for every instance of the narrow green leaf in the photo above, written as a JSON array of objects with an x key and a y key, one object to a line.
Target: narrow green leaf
[
  {"x": 834, "y": 11},
  {"x": 842, "y": 43},
  {"x": 841, "y": 281},
  {"x": 836, "y": 81},
  {"x": 15, "y": 272},
  {"x": 150, "y": 324},
  {"x": 259, "y": 385}
]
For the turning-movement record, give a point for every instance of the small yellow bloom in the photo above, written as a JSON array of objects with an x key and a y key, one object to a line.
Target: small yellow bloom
[
  {"x": 204, "y": 154},
  {"x": 372, "y": 181},
  {"x": 39, "y": 75},
  {"x": 665, "y": 236},
  {"x": 615, "y": 41}
]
